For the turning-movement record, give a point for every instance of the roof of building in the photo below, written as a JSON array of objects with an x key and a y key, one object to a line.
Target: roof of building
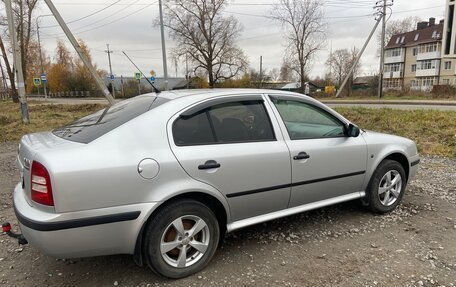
[{"x": 431, "y": 33}]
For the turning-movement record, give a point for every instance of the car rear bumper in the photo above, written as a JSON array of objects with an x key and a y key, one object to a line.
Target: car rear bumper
[{"x": 105, "y": 231}]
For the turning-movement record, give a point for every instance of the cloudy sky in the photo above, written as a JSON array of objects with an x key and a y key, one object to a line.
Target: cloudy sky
[{"x": 127, "y": 25}]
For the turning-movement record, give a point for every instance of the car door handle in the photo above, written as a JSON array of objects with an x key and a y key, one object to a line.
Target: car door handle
[
  {"x": 210, "y": 164},
  {"x": 301, "y": 155}
]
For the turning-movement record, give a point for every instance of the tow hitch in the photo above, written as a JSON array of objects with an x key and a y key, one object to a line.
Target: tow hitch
[{"x": 6, "y": 227}]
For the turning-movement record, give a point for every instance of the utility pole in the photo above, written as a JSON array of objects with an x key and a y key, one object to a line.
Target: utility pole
[
  {"x": 162, "y": 32},
  {"x": 80, "y": 52},
  {"x": 261, "y": 71},
  {"x": 111, "y": 76},
  {"x": 358, "y": 57},
  {"x": 17, "y": 60},
  {"x": 382, "y": 10},
  {"x": 39, "y": 49}
]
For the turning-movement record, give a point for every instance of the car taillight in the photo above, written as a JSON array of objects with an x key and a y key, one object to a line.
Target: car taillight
[{"x": 41, "y": 185}]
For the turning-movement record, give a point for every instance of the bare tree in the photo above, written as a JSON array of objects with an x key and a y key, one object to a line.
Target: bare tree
[
  {"x": 340, "y": 63},
  {"x": 305, "y": 32},
  {"x": 398, "y": 27},
  {"x": 202, "y": 33},
  {"x": 23, "y": 12}
]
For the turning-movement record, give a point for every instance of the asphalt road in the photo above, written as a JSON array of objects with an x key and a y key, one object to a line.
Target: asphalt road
[
  {"x": 403, "y": 105},
  {"x": 396, "y": 106}
]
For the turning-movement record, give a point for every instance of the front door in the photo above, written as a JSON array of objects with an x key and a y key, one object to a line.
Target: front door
[
  {"x": 232, "y": 146},
  {"x": 325, "y": 162}
]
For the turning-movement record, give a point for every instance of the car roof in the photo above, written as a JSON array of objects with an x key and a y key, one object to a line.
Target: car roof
[{"x": 176, "y": 94}]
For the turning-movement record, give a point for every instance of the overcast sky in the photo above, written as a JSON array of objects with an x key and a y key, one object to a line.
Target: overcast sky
[{"x": 127, "y": 25}]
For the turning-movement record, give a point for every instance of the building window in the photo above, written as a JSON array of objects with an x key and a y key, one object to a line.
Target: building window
[
  {"x": 392, "y": 83},
  {"x": 415, "y": 51},
  {"x": 427, "y": 82},
  {"x": 446, "y": 81},
  {"x": 427, "y": 65},
  {"x": 417, "y": 36},
  {"x": 448, "y": 65},
  {"x": 413, "y": 83},
  {"x": 429, "y": 48},
  {"x": 393, "y": 53},
  {"x": 396, "y": 52},
  {"x": 413, "y": 68}
]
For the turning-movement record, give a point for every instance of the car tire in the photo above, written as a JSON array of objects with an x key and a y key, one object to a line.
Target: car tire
[
  {"x": 386, "y": 187},
  {"x": 184, "y": 227}
]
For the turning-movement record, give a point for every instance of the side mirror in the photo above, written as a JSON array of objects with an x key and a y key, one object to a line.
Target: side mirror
[{"x": 352, "y": 131}]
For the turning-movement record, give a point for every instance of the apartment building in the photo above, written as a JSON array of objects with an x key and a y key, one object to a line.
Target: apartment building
[{"x": 414, "y": 59}]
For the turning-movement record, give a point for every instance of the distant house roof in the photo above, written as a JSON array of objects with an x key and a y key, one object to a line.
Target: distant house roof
[
  {"x": 363, "y": 80},
  {"x": 291, "y": 86},
  {"x": 426, "y": 33},
  {"x": 173, "y": 83}
]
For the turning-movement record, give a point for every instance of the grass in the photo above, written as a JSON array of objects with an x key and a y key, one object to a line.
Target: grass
[
  {"x": 434, "y": 131},
  {"x": 42, "y": 118}
]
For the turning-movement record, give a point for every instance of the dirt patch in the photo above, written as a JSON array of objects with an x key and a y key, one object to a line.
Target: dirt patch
[{"x": 342, "y": 245}]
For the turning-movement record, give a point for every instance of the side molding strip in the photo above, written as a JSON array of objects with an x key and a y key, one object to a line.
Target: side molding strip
[
  {"x": 293, "y": 210},
  {"x": 248, "y": 192}
]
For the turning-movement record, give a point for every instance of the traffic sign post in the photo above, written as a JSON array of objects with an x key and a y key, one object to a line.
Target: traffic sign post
[
  {"x": 37, "y": 83},
  {"x": 44, "y": 80},
  {"x": 138, "y": 77}
]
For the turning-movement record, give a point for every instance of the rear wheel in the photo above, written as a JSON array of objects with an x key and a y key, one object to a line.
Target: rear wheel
[
  {"x": 386, "y": 187},
  {"x": 181, "y": 238}
]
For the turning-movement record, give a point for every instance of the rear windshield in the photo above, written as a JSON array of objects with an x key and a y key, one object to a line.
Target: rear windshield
[{"x": 95, "y": 125}]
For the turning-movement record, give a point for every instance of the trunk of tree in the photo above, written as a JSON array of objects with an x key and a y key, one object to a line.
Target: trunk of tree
[
  {"x": 303, "y": 80},
  {"x": 211, "y": 75},
  {"x": 11, "y": 75}
]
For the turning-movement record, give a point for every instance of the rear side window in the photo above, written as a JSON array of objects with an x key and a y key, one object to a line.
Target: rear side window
[
  {"x": 95, "y": 125},
  {"x": 234, "y": 122}
]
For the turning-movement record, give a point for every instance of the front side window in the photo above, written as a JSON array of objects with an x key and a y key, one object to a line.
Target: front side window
[
  {"x": 232, "y": 122},
  {"x": 304, "y": 121}
]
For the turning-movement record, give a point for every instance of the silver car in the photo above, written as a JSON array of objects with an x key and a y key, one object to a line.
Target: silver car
[{"x": 164, "y": 176}]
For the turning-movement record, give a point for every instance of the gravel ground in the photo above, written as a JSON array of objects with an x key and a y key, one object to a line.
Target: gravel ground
[{"x": 342, "y": 245}]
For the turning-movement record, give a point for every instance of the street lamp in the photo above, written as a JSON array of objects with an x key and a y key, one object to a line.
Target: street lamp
[{"x": 39, "y": 47}]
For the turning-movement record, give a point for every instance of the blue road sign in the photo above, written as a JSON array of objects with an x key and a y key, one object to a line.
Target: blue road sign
[
  {"x": 43, "y": 78},
  {"x": 152, "y": 79},
  {"x": 112, "y": 77}
]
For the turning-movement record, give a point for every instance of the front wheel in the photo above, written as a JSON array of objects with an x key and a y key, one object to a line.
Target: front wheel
[
  {"x": 181, "y": 238},
  {"x": 386, "y": 187}
]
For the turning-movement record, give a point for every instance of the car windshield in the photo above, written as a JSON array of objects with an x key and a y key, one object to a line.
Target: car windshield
[{"x": 95, "y": 125}]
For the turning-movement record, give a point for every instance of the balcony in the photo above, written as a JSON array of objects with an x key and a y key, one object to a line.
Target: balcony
[
  {"x": 428, "y": 56},
  {"x": 396, "y": 59},
  {"x": 392, "y": 75},
  {"x": 428, "y": 72}
]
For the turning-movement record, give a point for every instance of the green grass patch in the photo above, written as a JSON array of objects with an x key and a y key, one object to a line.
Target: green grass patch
[
  {"x": 434, "y": 131},
  {"x": 43, "y": 117}
]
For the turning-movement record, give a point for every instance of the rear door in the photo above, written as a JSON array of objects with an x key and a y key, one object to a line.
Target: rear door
[
  {"x": 325, "y": 162},
  {"x": 231, "y": 144}
]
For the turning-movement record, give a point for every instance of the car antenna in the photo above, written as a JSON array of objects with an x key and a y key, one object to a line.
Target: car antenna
[{"x": 157, "y": 91}]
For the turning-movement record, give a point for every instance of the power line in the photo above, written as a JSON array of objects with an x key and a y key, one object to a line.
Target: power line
[
  {"x": 85, "y": 17},
  {"x": 102, "y": 25}
]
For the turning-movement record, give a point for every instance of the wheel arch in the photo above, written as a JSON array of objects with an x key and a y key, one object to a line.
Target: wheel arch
[
  {"x": 402, "y": 159},
  {"x": 211, "y": 201}
]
